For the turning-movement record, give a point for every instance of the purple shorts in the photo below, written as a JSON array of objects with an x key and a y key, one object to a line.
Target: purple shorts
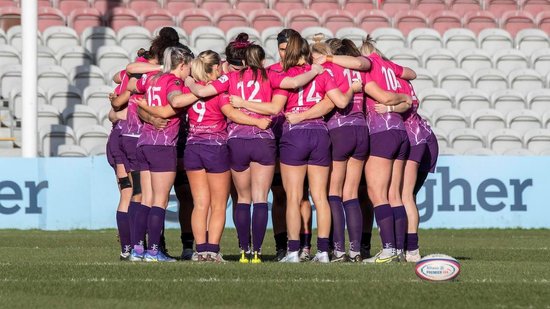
[
  {"x": 129, "y": 147},
  {"x": 114, "y": 152},
  {"x": 305, "y": 146},
  {"x": 391, "y": 145},
  {"x": 156, "y": 159},
  {"x": 349, "y": 142},
  {"x": 243, "y": 151},
  {"x": 212, "y": 158},
  {"x": 429, "y": 160},
  {"x": 417, "y": 152}
]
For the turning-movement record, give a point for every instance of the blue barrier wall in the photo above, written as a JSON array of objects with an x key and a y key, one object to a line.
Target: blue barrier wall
[{"x": 465, "y": 192}]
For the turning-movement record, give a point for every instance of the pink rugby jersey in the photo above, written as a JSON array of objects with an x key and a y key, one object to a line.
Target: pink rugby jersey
[
  {"x": 302, "y": 99},
  {"x": 353, "y": 114},
  {"x": 207, "y": 123},
  {"x": 278, "y": 120},
  {"x": 246, "y": 87},
  {"x": 385, "y": 74},
  {"x": 418, "y": 130},
  {"x": 156, "y": 89},
  {"x": 119, "y": 89}
]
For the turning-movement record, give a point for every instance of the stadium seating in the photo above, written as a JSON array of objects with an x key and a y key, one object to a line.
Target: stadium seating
[
  {"x": 464, "y": 139},
  {"x": 503, "y": 139},
  {"x": 470, "y": 100}
]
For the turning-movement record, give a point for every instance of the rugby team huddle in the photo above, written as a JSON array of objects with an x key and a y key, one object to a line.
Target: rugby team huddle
[{"x": 331, "y": 120}]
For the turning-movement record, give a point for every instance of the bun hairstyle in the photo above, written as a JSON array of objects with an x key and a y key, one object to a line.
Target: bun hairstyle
[
  {"x": 255, "y": 55},
  {"x": 296, "y": 50},
  {"x": 203, "y": 65},
  {"x": 369, "y": 47},
  {"x": 236, "y": 49},
  {"x": 318, "y": 46},
  {"x": 283, "y": 36},
  {"x": 167, "y": 37},
  {"x": 344, "y": 47}
]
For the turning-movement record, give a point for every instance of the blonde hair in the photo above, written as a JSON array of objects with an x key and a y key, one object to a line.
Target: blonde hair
[
  {"x": 174, "y": 56},
  {"x": 204, "y": 64},
  {"x": 369, "y": 47},
  {"x": 319, "y": 46}
]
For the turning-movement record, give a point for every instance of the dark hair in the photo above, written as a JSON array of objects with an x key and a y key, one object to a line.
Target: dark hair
[
  {"x": 284, "y": 35},
  {"x": 236, "y": 49},
  {"x": 344, "y": 47},
  {"x": 297, "y": 48},
  {"x": 168, "y": 37},
  {"x": 255, "y": 54}
]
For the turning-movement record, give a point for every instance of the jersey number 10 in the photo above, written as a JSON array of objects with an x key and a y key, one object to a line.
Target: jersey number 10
[{"x": 391, "y": 80}]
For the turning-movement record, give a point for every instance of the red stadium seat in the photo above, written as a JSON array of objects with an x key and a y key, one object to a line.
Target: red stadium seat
[
  {"x": 141, "y": 6},
  {"x": 497, "y": 7},
  {"x": 322, "y": 6},
  {"x": 301, "y": 19},
  {"x": 479, "y": 20},
  {"x": 283, "y": 6},
  {"x": 394, "y": 6},
  {"x": 121, "y": 17},
  {"x": 445, "y": 20},
  {"x": 48, "y": 17},
  {"x": 514, "y": 21},
  {"x": 67, "y": 6},
  {"x": 338, "y": 19},
  {"x": 10, "y": 3},
  {"x": 359, "y": 5},
  {"x": 105, "y": 6},
  {"x": 81, "y": 19},
  {"x": 41, "y": 3},
  {"x": 534, "y": 6},
  {"x": 408, "y": 20},
  {"x": 156, "y": 18},
  {"x": 226, "y": 19},
  {"x": 463, "y": 6},
  {"x": 215, "y": 5},
  {"x": 9, "y": 16},
  {"x": 251, "y": 5},
  {"x": 430, "y": 6},
  {"x": 372, "y": 19},
  {"x": 193, "y": 18},
  {"x": 265, "y": 18},
  {"x": 543, "y": 21},
  {"x": 179, "y": 5}
]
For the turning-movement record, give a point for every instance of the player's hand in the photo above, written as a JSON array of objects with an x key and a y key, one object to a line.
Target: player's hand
[
  {"x": 189, "y": 81},
  {"x": 357, "y": 86},
  {"x": 317, "y": 68},
  {"x": 236, "y": 101},
  {"x": 142, "y": 102},
  {"x": 294, "y": 118},
  {"x": 409, "y": 101},
  {"x": 159, "y": 123},
  {"x": 263, "y": 123},
  {"x": 112, "y": 96},
  {"x": 320, "y": 59},
  {"x": 381, "y": 108}
]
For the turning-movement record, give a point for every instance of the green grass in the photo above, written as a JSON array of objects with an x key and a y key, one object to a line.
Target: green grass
[{"x": 500, "y": 269}]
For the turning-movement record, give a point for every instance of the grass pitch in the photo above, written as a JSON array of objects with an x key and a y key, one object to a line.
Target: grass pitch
[{"x": 500, "y": 269}]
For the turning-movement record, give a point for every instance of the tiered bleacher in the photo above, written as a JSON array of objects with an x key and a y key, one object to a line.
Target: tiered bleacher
[{"x": 483, "y": 66}]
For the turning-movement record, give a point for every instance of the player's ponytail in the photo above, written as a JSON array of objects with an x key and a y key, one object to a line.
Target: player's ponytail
[
  {"x": 297, "y": 49},
  {"x": 203, "y": 65},
  {"x": 236, "y": 49},
  {"x": 369, "y": 47},
  {"x": 255, "y": 55},
  {"x": 319, "y": 46},
  {"x": 344, "y": 47}
]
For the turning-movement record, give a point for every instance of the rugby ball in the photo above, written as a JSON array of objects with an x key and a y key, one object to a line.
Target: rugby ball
[{"x": 437, "y": 267}]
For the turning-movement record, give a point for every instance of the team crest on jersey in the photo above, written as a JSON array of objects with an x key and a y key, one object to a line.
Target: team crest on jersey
[
  {"x": 223, "y": 78},
  {"x": 177, "y": 82}
]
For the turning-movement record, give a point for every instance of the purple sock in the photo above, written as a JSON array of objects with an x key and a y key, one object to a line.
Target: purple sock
[
  {"x": 354, "y": 220},
  {"x": 123, "y": 224},
  {"x": 259, "y": 225},
  {"x": 305, "y": 240},
  {"x": 132, "y": 210},
  {"x": 213, "y": 248},
  {"x": 384, "y": 220},
  {"x": 400, "y": 219},
  {"x": 338, "y": 223},
  {"x": 293, "y": 245},
  {"x": 140, "y": 226},
  {"x": 322, "y": 244},
  {"x": 155, "y": 226},
  {"x": 202, "y": 248},
  {"x": 242, "y": 222},
  {"x": 412, "y": 241}
]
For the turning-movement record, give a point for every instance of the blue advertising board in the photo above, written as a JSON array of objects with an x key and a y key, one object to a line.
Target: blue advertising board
[{"x": 465, "y": 192}]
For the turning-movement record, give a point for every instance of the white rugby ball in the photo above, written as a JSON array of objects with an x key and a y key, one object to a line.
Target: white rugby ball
[{"x": 437, "y": 267}]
